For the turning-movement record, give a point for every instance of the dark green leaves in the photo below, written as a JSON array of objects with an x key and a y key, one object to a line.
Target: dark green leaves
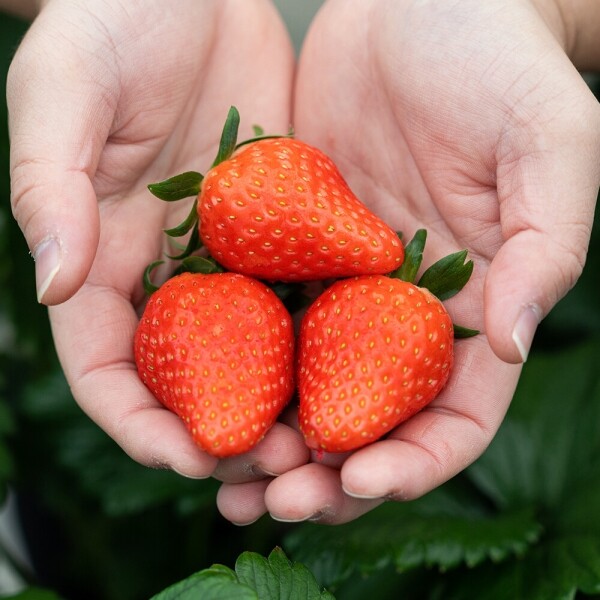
[
  {"x": 254, "y": 578},
  {"x": 447, "y": 276},
  {"x": 413, "y": 256},
  {"x": 446, "y": 529},
  {"x": 178, "y": 187},
  {"x": 461, "y": 333},
  {"x": 444, "y": 279},
  {"x": 229, "y": 135}
]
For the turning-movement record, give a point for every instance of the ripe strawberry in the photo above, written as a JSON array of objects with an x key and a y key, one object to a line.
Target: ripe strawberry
[
  {"x": 279, "y": 209},
  {"x": 217, "y": 350},
  {"x": 372, "y": 352}
]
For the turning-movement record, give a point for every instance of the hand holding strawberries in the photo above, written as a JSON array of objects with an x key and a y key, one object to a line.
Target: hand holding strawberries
[
  {"x": 484, "y": 135},
  {"x": 103, "y": 97}
]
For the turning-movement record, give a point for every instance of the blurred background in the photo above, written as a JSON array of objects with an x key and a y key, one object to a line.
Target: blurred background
[{"x": 81, "y": 520}]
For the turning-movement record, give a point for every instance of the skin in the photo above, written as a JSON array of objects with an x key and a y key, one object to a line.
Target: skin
[{"x": 473, "y": 122}]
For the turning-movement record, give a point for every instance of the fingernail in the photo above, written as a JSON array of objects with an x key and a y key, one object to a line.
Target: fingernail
[
  {"x": 47, "y": 256},
  {"x": 362, "y": 496},
  {"x": 188, "y": 475},
  {"x": 293, "y": 519},
  {"x": 525, "y": 329},
  {"x": 262, "y": 473}
]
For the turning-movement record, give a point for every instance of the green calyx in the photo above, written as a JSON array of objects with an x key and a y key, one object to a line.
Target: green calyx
[
  {"x": 444, "y": 279},
  {"x": 188, "y": 184}
]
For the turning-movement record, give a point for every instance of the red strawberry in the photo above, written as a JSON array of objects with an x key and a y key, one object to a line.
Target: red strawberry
[
  {"x": 217, "y": 350},
  {"x": 372, "y": 352},
  {"x": 279, "y": 209}
]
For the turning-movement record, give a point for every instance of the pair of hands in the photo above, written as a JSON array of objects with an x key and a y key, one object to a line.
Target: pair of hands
[{"x": 465, "y": 118}]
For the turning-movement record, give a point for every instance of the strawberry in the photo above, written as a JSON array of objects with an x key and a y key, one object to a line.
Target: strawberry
[
  {"x": 277, "y": 208},
  {"x": 374, "y": 350},
  {"x": 217, "y": 350}
]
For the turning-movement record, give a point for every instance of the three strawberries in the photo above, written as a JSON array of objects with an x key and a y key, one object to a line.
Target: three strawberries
[{"x": 217, "y": 348}]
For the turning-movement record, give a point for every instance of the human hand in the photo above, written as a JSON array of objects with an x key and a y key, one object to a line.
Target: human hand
[
  {"x": 467, "y": 119},
  {"x": 104, "y": 98}
]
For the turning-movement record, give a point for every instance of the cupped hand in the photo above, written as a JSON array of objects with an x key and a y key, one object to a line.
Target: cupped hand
[
  {"x": 104, "y": 98},
  {"x": 467, "y": 119}
]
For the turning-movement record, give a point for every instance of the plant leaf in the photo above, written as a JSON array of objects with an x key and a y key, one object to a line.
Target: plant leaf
[
  {"x": 461, "y": 333},
  {"x": 228, "y": 141},
  {"x": 194, "y": 243},
  {"x": 447, "y": 276},
  {"x": 184, "y": 227},
  {"x": 413, "y": 256},
  {"x": 210, "y": 584},
  {"x": 150, "y": 287},
  {"x": 178, "y": 187},
  {"x": 443, "y": 529},
  {"x": 556, "y": 569},
  {"x": 277, "y": 577},
  {"x": 255, "y": 578},
  {"x": 551, "y": 426},
  {"x": 199, "y": 264}
]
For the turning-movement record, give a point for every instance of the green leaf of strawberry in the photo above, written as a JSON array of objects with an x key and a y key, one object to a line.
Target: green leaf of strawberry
[
  {"x": 254, "y": 578},
  {"x": 178, "y": 187},
  {"x": 448, "y": 276},
  {"x": 413, "y": 256},
  {"x": 229, "y": 135},
  {"x": 444, "y": 279}
]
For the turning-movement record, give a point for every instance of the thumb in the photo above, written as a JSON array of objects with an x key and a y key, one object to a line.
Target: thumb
[
  {"x": 547, "y": 198},
  {"x": 59, "y": 119}
]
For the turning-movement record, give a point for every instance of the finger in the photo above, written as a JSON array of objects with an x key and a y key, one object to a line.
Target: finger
[
  {"x": 242, "y": 503},
  {"x": 281, "y": 450},
  {"x": 93, "y": 333},
  {"x": 59, "y": 117},
  {"x": 313, "y": 492},
  {"x": 547, "y": 188},
  {"x": 444, "y": 438}
]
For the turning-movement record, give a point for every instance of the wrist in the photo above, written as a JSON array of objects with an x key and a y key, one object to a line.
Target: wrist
[{"x": 576, "y": 25}]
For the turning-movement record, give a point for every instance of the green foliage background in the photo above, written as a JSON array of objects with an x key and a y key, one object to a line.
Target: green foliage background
[{"x": 522, "y": 522}]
